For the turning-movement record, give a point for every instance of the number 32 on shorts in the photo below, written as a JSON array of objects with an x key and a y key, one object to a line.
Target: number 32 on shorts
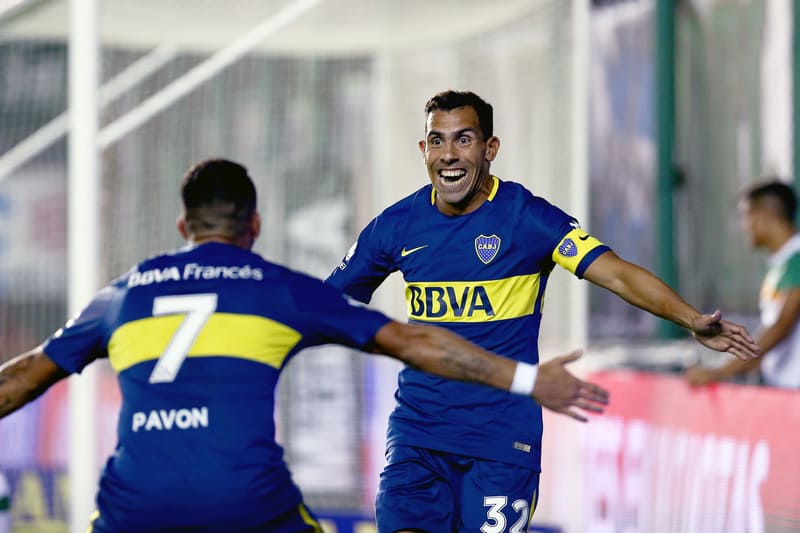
[{"x": 496, "y": 520}]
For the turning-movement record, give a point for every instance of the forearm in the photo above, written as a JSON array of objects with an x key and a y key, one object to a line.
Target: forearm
[
  {"x": 770, "y": 337},
  {"x": 24, "y": 378},
  {"x": 646, "y": 291},
  {"x": 439, "y": 351},
  {"x": 659, "y": 299},
  {"x": 735, "y": 368}
]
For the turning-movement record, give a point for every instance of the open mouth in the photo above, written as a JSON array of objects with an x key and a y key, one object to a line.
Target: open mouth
[{"x": 452, "y": 176}]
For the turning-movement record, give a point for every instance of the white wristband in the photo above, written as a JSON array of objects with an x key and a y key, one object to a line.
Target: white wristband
[{"x": 524, "y": 379}]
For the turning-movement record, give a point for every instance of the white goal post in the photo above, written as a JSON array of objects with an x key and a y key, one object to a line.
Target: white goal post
[{"x": 83, "y": 244}]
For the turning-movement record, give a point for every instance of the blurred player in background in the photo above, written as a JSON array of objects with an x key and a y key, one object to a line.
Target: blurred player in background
[
  {"x": 198, "y": 338},
  {"x": 767, "y": 213},
  {"x": 475, "y": 252}
]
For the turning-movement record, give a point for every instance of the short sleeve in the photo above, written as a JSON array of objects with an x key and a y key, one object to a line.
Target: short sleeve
[
  {"x": 365, "y": 266},
  {"x": 790, "y": 279},
  {"x": 83, "y": 338},
  {"x": 562, "y": 240},
  {"x": 332, "y": 317}
]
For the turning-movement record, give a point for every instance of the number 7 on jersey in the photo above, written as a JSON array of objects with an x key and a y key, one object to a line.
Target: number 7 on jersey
[{"x": 198, "y": 309}]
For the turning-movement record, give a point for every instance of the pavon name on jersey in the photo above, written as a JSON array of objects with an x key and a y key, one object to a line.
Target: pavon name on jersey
[
  {"x": 168, "y": 419},
  {"x": 472, "y": 301}
]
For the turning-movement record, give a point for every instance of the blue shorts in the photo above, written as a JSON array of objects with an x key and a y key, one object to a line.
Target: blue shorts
[
  {"x": 437, "y": 492},
  {"x": 298, "y": 520}
]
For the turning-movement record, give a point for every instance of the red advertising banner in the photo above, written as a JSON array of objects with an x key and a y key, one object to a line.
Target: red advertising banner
[{"x": 670, "y": 458}]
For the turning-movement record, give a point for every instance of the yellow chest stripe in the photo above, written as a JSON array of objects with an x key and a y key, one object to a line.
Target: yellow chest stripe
[
  {"x": 248, "y": 337},
  {"x": 472, "y": 301}
]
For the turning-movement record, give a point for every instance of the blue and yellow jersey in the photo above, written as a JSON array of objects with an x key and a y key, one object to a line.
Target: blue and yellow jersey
[
  {"x": 482, "y": 275},
  {"x": 198, "y": 339}
]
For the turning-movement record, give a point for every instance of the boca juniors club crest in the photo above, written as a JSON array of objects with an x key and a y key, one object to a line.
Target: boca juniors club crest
[
  {"x": 568, "y": 248},
  {"x": 487, "y": 247}
]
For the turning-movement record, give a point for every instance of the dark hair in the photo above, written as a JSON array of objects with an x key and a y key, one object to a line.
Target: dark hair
[
  {"x": 449, "y": 100},
  {"x": 776, "y": 195},
  {"x": 218, "y": 196}
]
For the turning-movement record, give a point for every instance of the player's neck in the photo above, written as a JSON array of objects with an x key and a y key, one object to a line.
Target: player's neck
[
  {"x": 461, "y": 208},
  {"x": 780, "y": 238},
  {"x": 469, "y": 204},
  {"x": 242, "y": 241}
]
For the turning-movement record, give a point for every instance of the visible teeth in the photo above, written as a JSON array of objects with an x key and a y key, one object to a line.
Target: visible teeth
[{"x": 452, "y": 173}]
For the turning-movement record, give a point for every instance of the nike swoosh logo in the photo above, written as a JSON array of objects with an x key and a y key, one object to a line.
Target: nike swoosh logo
[
  {"x": 405, "y": 252},
  {"x": 583, "y": 238}
]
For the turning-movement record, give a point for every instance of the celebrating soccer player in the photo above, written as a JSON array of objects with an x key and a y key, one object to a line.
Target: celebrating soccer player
[{"x": 475, "y": 252}]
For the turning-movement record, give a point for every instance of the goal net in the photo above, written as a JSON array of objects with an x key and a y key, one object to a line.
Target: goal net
[{"x": 325, "y": 110}]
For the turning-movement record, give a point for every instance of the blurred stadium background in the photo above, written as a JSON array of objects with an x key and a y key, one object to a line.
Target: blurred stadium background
[{"x": 644, "y": 118}]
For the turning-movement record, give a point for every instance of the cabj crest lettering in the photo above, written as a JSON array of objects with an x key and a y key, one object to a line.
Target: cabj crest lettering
[
  {"x": 568, "y": 248},
  {"x": 487, "y": 247}
]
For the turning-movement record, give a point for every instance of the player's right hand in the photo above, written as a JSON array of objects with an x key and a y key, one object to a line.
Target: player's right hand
[
  {"x": 724, "y": 336},
  {"x": 558, "y": 390}
]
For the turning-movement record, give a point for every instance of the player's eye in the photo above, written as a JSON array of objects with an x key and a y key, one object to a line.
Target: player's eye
[
  {"x": 435, "y": 142},
  {"x": 464, "y": 141}
]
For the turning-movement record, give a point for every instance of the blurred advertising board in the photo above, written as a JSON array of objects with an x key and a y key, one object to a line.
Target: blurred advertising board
[{"x": 668, "y": 457}]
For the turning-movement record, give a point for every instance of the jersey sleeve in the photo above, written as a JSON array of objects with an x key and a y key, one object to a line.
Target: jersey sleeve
[
  {"x": 366, "y": 264},
  {"x": 577, "y": 250},
  {"x": 332, "y": 317},
  {"x": 565, "y": 243},
  {"x": 790, "y": 279},
  {"x": 83, "y": 338}
]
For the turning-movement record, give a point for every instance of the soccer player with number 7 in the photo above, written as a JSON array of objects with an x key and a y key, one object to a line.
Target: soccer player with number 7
[{"x": 198, "y": 339}]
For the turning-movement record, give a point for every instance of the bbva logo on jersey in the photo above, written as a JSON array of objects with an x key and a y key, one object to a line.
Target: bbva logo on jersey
[
  {"x": 446, "y": 303},
  {"x": 487, "y": 247}
]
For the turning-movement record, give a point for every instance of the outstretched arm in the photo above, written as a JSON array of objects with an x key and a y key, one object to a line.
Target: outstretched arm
[
  {"x": 25, "y": 377},
  {"x": 639, "y": 287},
  {"x": 439, "y": 351}
]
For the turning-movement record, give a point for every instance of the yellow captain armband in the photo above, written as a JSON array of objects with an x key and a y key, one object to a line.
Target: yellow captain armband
[{"x": 573, "y": 248}]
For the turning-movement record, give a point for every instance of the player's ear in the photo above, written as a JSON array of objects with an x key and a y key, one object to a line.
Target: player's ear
[
  {"x": 492, "y": 147},
  {"x": 182, "y": 229},
  {"x": 422, "y": 147},
  {"x": 255, "y": 225}
]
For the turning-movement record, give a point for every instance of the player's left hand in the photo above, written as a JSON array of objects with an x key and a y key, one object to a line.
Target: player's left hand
[
  {"x": 698, "y": 376},
  {"x": 558, "y": 390},
  {"x": 723, "y": 336}
]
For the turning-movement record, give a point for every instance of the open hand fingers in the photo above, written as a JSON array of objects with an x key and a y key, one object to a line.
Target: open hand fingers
[
  {"x": 735, "y": 330},
  {"x": 573, "y": 414},
  {"x": 586, "y": 396},
  {"x": 743, "y": 347},
  {"x": 593, "y": 393},
  {"x": 734, "y": 351},
  {"x": 558, "y": 390},
  {"x": 589, "y": 406},
  {"x": 731, "y": 338},
  {"x": 570, "y": 357}
]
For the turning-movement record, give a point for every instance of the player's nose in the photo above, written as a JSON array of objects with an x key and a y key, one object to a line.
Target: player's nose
[{"x": 449, "y": 155}]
